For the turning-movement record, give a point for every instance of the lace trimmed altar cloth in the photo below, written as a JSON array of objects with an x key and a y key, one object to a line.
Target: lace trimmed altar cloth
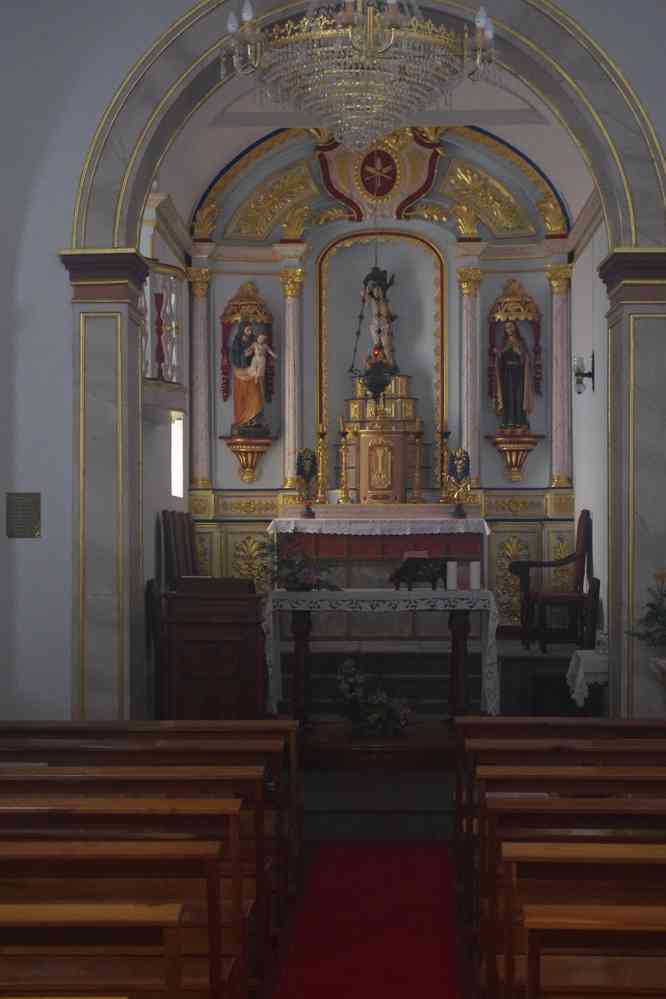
[
  {"x": 379, "y": 526},
  {"x": 374, "y": 601}
]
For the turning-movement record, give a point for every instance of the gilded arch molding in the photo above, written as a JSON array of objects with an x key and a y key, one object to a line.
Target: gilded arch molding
[{"x": 112, "y": 191}]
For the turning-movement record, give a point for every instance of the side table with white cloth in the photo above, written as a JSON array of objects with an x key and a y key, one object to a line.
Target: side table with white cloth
[
  {"x": 459, "y": 604},
  {"x": 586, "y": 667}
]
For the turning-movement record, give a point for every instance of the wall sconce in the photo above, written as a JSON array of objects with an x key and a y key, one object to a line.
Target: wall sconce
[{"x": 580, "y": 374}]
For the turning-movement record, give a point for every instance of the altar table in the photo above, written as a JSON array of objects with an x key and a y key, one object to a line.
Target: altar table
[
  {"x": 458, "y": 602},
  {"x": 378, "y": 534}
]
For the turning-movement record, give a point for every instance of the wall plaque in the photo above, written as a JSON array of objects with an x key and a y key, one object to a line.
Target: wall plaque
[{"x": 24, "y": 515}]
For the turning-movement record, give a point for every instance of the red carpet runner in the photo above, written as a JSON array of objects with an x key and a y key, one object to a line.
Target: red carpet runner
[{"x": 376, "y": 919}]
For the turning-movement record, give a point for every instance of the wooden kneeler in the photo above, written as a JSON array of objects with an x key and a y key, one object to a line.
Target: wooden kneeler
[
  {"x": 30, "y": 923},
  {"x": 630, "y": 927}
]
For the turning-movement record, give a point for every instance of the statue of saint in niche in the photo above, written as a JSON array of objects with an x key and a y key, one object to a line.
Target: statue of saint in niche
[
  {"x": 376, "y": 285},
  {"x": 513, "y": 398}
]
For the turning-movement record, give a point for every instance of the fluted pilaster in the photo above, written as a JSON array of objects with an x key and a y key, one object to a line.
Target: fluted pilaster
[
  {"x": 469, "y": 280},
  {"x": 199, "y": 278},
  {"x": 559, "y": 278},
  {"x": 292, "y": 286}
]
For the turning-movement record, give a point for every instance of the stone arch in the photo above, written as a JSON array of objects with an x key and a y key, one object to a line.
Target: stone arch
[{"x": 180, "y": 73}]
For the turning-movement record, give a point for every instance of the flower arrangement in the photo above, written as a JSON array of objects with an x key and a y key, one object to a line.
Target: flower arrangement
[
  {"x": 369, "y": 707},
  {"x": 290, "y": 568}
]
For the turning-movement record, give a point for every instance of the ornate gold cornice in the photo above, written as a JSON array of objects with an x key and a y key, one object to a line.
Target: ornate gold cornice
[
  {"x": 291, "y": 279},
  {"x": 469, "y": 279},
  {"x": 559, "y": 277},
  {"x": 199, "y": 278},
  {"x": 514, "y": 304}
]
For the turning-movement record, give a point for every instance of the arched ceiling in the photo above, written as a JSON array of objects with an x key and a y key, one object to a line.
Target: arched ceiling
[
  {"x": 173, "y": 112},
  {"x": 224, "y": 128}
]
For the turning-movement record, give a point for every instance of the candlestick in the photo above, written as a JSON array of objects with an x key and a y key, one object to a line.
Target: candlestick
[
  {"x": 322, "y": 467},
  {"x": 344, "y": 487}
]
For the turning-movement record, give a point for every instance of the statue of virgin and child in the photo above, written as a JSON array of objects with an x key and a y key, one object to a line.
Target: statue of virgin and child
[{"x": 249, "y": 353}]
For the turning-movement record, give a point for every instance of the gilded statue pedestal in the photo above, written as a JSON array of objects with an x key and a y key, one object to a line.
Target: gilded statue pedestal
[
  {"x": 248, "y": 451},
  {"x": 515, "y": 444}
]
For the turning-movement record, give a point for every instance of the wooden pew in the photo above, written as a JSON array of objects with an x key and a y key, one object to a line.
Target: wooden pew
[
  {"x": 607, "y": 873},
  {"x": 264, "y": 728},
  {"x": 139, "y": 870},
  {"x": 573, "y": 926},
  {"x": 524, "y": 820},
  {"x": 94, "y": 818},
  {"x": 544, "y": 752},
  {"x": 246, "y": 783},
  {"x": 268, "y": 753},
  {"x": 30, "y": 923}
]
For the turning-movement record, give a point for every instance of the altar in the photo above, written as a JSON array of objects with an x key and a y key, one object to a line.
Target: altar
[{"x": 367, "y": 547}]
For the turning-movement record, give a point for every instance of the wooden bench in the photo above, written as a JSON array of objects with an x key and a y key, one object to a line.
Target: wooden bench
[
  {"x": 94, "y": 818},
  {"x": 269, "y": 753},
  {"x": 619, "y": 927},
  {"x": 543, "y": 752},
  {"x": 524, "y": 820},
  {"x": 590, "y": 872},
  {"x": 265, "y": 728},
  {"x": 49, "y": 870},
  {"x": 29, "y": 923},
  {"x": 246, "y": 783}
]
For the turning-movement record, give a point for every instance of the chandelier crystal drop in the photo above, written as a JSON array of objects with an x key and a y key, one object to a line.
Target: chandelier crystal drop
[{"x": 360, "y": 69}]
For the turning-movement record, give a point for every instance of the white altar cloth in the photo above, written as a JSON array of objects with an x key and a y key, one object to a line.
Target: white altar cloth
[
  {"x": 391, "y": 601},
  {"x": 586, "y": 667},
  {"x": 384, "y": 525}
]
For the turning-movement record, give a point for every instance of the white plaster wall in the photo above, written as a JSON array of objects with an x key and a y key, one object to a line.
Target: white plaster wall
[
  {"x": 589, "y": 332},
  {"x": 62, "y": 77},
  {"x": 649, "y": 490}
]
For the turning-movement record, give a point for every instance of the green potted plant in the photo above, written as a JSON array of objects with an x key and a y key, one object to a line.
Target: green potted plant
[
  {"x": 290, "y": 568},
  {"x": 652, "y": 625}
]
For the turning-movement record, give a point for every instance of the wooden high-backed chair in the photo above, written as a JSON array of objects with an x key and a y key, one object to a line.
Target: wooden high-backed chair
[{"x": 580, "y": 603}]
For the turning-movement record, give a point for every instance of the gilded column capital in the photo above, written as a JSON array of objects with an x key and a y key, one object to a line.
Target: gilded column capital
[
  {"x": 292, "y": 281},
  {"x": 559, "y": 277},
  {"x": 199, "y": 278},
  {"x": 469, "y": 279}
]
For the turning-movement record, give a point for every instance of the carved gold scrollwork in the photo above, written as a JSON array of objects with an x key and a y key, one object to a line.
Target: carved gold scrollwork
[
  {"x": 507, "y": 586},
  {"x": 562, "y": 577},
  {"x": 249, "y": 562},
  {"x": 261, "y": 212},
  {"x": 430, "y": 211},
  {"x": 205, "y": 221},
  {"x": 490, "y": 200},
  {"x": 380, "y": 464},
  {"x": 204, "y": 553},
  {"x": 514, "y": 304},
  {"x": 247, "y": 306}
]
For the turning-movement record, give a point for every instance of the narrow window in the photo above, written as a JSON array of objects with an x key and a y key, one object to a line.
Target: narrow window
[{"x": 177, "y": 455}]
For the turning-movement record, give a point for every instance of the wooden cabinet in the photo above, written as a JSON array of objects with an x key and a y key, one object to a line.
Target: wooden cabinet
[{"x": 213, "y": 653}]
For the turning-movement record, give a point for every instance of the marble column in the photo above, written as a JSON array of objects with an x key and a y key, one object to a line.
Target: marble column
[
  {"x": 559, "y": 278},
  {"x": 109, "y": 661},
  {"x": 636, "y": 284},
  {"x": 292, "y": 286},
  {"x": 199, "y": 278},
  {"x": 469, "y": 280}
]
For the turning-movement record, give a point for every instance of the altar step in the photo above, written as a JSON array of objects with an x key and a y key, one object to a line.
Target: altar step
[{"x": 532, "y": 682}]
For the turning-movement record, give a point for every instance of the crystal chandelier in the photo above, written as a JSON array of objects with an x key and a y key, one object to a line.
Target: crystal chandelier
[{"x": 361, "y": 68}]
